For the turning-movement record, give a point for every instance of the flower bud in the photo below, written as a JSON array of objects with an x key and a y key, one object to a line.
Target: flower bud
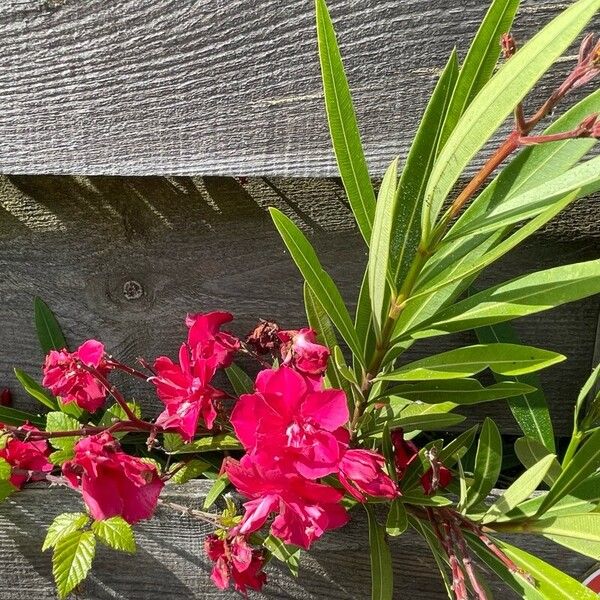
[{"x": 508, "y": 44}]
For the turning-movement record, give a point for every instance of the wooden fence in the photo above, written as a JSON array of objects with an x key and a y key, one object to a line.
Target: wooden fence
[{"x": 125, "y": 128}]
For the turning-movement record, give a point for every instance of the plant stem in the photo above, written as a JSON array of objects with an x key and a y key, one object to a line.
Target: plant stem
[
  {"x": 192, "y": 512},
  {"x": 111, "y": 363},
  {"x": 576, "y": 439}
]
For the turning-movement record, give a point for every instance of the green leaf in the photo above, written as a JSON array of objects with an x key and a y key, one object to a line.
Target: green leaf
[
  {"x": 520, "y": 489},
  {"x": 58, "y": 421},
  {"x": 116, "y": 533},
  {"x": 6, "y": 489},
  {"x": 488, "y": 463},
  {"x": 343, "y": 126},
  {"x": 462, "y": 392},
  {"x": 584, "y": 498},
  {"x": 382, "y": 576},
  {"x": 286, "y": 553},
  {"x": 190, "y": 470},
  {"x": 48, "y": 330},
  {"x": 519, "y": 297},
  {"x": 35, "y": 390},
  {"x": 319, "y": 281},
  {"x": 115, "y": 413},
  {"x": 505, "y": 359},
  {"x": 12, "y": 416},
  {"x": 397, "y": 520},
  {"x": 239, "y": 379},
  {"x": 5, "y": 470},
  {"x": 481, "y": 60},
  {"x": 458, "y": 447},
  {"x": 583, "y": 464},
  {"x": 530, "y": 452},
  {"x": 530, "y": 409},
  {"x": 406, "y": 228},
  {"x": 221, "y": 441},
  {"x": 418, "y": 498},
  {"x": 498, "y": 98},
  {"x": 380, "y": 246},
  {"x": 63, "y": 525},
  {"x": 551, "y": 583},
  {"x": 218, "y": 487},
  {"x": 72, "y": 560},
  {"x": 363, "y": 322},
  {"x": 579, "y": 181},
  {"x": 585, "y": 392}
]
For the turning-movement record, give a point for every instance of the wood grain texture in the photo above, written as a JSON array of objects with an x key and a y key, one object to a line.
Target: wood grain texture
[
  {"x": 219, "y": 87},
  {"x": 124, "y": 259},
  {"x": 170, "y": 563}
]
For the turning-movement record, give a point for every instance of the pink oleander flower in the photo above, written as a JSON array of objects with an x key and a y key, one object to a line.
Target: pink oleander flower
[
  {"x": 25, "y": 456},
  {"x": 300, "y": 350},
  {"x": 65, "y": 378},
  {"x": 206, "y": 341},
  {"x": 405, "y": 452},
  {"x": 362, "y": 474},
  {"x": 186, "y": 392},
  {"x": 235, "y": 560},
  {"x": 289, "y": 418},
  {"x": 305, "y": 509},
  {"x": 112, "y": 482}
]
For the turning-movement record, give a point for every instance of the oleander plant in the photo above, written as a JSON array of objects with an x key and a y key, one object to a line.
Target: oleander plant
[{"x": 332, "y": 419}]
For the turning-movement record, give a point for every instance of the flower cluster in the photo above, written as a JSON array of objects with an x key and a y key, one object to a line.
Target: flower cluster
[
  {"x": 295, "y": 433},
  {"x": 184, "y": 387}
]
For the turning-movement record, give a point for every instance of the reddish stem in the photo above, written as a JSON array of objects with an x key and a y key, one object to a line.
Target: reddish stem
[{"x": 111, "y": 363}]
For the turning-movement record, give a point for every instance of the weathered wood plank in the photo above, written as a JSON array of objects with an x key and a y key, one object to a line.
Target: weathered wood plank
[
  {"x": 213, "y": 87},
  {"x": 170, "y": 562},
  {"x": 124, "y": 259}
]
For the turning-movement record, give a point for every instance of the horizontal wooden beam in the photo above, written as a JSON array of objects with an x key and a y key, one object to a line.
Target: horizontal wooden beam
[
  {"x": 170, "y": 562},
  {"x": 218, "y": 87},
  {"x": 124, "y": 259}
]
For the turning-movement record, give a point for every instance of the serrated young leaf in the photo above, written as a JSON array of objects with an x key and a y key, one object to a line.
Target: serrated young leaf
[
  {"x": 488, "y": 463},
  {"x": 5, "y": 470},
  {"x": 6, "y": 489},
  {"x": 35, "y": 390},
  {"x": 48, "y": 330},
  {"x": 59, "y": 421},
  {"x": 189, "y": 470},
  {"x": 59, "y": 457},
  {"x": 218, "y": 487},
  {"x": 397, "y": 520},
  {"x": 116, "y": 533},
  {"x": 290, "y": 555},
  {"x": 222, "y": 441},
  {"x": 72, "y": 560},
  {"x": 520, "y": 489},
  {"x": 71, "y": 409},
  {"x": 115, "y": 413},
  {"x": 63, "y": 525}
]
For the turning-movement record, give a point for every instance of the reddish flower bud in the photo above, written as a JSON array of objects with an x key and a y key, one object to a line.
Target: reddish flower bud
[
  {"x": 300, "y": 350},
  {"x": 362, "y": 474},
  {"x": 265, "y": 339},
  {"x": 5, "y": 397},
  {"x": 508, "y": 44}
]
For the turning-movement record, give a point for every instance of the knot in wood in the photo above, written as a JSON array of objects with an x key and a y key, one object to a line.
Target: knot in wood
[{"x": 132, "y": 290}]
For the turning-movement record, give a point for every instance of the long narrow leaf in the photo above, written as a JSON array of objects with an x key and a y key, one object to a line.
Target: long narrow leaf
[
  {"x": 382, "y": 577},
  {"x": 419, "y": 162},
  {"x": 530, "y": 452},
  {"x": 488, "y": 462},
  {"x": 315, "y": 276},
  {"x": 497, "y": 99},
  {"x": 530, "y": 409},
  {"x": 481, "y": 60},
  {"x": 48, "y": 330},
  {"x": 380, "y": 246},
  {"x": 343, "y": 126}
]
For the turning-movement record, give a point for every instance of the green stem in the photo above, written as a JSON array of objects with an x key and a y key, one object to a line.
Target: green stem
[{"x": 576, "y": 439}]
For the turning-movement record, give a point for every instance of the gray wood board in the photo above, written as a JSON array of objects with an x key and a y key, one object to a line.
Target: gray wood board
[
  {"x": 124, "y": 259},
  {"x": 219, "y": 87},
  {"x": 170, "y": 563}
]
